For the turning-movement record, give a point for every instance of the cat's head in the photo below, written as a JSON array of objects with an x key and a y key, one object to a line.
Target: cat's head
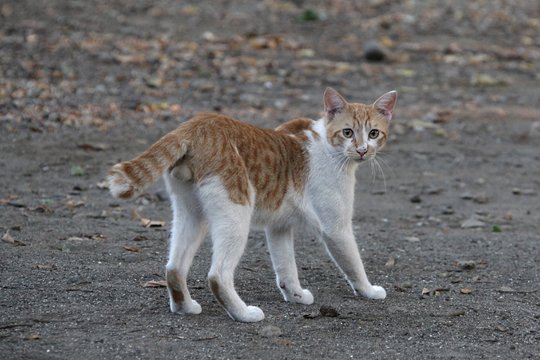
[{"x": 357, "y": 130}]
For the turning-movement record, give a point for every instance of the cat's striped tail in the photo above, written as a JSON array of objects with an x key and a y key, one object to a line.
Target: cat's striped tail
[{"x": 129, "y": 178}]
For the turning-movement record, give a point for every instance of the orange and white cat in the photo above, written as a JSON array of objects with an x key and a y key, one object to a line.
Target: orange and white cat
[{"x": 224, "y": 176}]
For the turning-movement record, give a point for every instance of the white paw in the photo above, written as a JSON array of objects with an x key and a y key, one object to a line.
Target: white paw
[
  {"x": 375, "y": 292},
  {"x": 192, "y": 308},
  {"x": 252, "y": 314},
  {"x": 189, "y": 307},
  {"x": 304, "y": 297}
]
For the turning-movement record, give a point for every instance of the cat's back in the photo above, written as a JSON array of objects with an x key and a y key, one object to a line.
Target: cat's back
[{"x": 242, "y": 155}]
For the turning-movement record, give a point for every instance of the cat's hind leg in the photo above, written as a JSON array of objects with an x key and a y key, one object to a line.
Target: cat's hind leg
[
  {"x": 229, "y": 227},
  {"x": 281, "y": 247},
  {"x": 188, "y": 231}
]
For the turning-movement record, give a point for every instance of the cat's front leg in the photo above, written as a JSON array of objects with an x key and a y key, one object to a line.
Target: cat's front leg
[
  {"x": 341, "y": 246},
  {"x": 281, "y": 247}
]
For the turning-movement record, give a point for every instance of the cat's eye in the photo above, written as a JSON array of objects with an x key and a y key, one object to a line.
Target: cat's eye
[
  {"x": 348, "y": 133},
  {"x": 373, "y": 134}
]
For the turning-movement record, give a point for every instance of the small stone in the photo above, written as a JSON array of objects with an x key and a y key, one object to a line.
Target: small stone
[
  {"x": 412, "y": 239},
  {"x": 466, "y": 264},
  {"x": 535, "y": 129},
  {"x": 434, "y": 190},
  {"x": 472, "y": 223},
  {"x": 270, "y": 331},
  {"x": 416, "y": 199},
  {"x": 481, "y": 199},
  {"x": 374, "y": 52},
  {"x": 328, "y": 311},
  {"x": 466, "y": 196},
  {"x": 448, "y": 211},
  {"x": 480, "y": 181},
  {"x": 506, "y": 289}
]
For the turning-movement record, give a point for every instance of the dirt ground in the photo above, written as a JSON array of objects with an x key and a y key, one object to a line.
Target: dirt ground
[{"x": 451, "y": 232}]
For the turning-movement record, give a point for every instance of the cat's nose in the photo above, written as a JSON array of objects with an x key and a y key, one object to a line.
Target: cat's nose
[{"x": 361, "y": 152}]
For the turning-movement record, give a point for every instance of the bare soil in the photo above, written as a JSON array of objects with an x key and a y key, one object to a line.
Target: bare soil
[{"x": 452, "y": 232}]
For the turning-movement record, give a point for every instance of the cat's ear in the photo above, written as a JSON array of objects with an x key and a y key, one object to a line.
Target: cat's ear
[
  {"x": 334, "y": 103},
  {"x": 386, "y": 103}
]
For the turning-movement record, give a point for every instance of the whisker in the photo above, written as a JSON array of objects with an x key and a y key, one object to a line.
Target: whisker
[
  {"x": 385, "y": 163},
  {"x": 378, "y": 166}
]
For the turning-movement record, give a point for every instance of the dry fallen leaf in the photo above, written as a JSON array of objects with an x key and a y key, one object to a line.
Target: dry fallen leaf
[
  {"x": 76, "y": 238},
  {"x": 93, "y": 147},
  {"x": 102, "y": 185},
  {"x": 155, "y": 284},
  {"x": 133, "y": 248},
  {"x": 8, "y": 199},
  {"x": 466, "y": 291},
  {"x": 72, "y": 204},
  {"x": 10, "y": 240},
  {"x": 435, "y": 292},
  {"x": 391, "y": 262},
  {"x": 44, "y": 209},
  {"x": 152, "y": 223},
  {"x": 146, "y": 222},
  {"x": 140, "y": 238},
  {"x": 44, "y": 267},
  {"x": 35, "y": 337}
]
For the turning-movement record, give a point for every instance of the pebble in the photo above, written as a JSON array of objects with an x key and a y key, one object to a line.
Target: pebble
[
  {"x": 374, "y": 52},
  {"x": 416, "y": 199},
  {"x": 481, "y": 199},
  {"x": 412, "y": 239},
  {"x": 535, "y": 129},
  {"x": 466, "y": 196},
  {"x": 527, "y": 192},
  {"x": 270, "y": 331},
  {"x": 472, "y": 223},
  {"x": 466, "y": 264},
  {"x": 448, "y": 211},
  {"x": 434, "y": 190},
  {"x": 328, "y": 311}
]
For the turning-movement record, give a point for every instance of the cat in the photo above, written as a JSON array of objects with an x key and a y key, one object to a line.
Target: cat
[{"x": 224, "y": 176}]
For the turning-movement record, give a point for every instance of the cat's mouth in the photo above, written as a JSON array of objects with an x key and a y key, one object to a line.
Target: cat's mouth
[{"x": 359, "y": 158}]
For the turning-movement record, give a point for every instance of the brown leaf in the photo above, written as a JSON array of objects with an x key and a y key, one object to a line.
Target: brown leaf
[
  {"x": 140, "y": 238},
  {"x": 146, "y": 222},
  {"x": 155, "y": 284},
  {"x": 73, "y": 204},
  {"x": 133, "y": 248},
  {"x": 466, "y": 291},
  {"x": 44, "y": 267},
  {"x": 44, "y": 209},
  {"x": 391, "y": 262},
  {"x": 102, "y": 185},
  {"x": 435, "y": 292},
  {"x": 93, "y": 147},
  {"x": 284, "y": 341},
  {"x": 10, "y": 240},
  {"x": 152, "y": 223},
  {"x": 35, "y": 337},
  {"x": 8, "y": 199}
]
